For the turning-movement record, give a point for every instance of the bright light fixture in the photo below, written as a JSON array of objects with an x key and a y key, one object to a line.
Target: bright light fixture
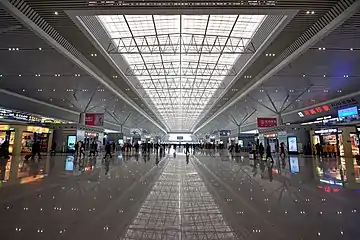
[{"x": 180, "y": 85}]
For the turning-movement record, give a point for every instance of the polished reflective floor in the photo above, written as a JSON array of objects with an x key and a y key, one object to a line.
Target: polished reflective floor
[{"x": 209, "y": 195}]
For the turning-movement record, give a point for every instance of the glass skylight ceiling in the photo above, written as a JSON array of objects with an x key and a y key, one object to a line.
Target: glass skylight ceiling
[{"x": 181, "y": 61}]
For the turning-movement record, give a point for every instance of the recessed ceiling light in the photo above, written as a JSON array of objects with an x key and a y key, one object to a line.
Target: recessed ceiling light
[
  {"x": 50, "y": 99},
  {"x": 54, "y": 90},
  {"x": 324, "y": 75},
  {"x": 56, "y": 13},
  {"x": 351, "y": 49},
  {"x": 307, "y": 12},
  {"x": 93, "y": 54},
  {"x": 0, "y": 75},
  {"x": 339, "y": 91},
  {"x": 312, "y": 12},
  {"x": 19, "y": 75},
  {"x": 346, "y": 76},
  {"x": 23, "y": 90},
  {"x": 303, "y": 75},
  {"x": 40, "y": 48},
  {"x": 40, "y": 90},
  {"x": 326, "y": 90}
]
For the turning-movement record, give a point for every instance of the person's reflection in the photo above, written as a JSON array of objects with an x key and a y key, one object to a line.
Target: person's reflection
[
  {"x": 107, "y": 166},
  {"x": 148, "y": 157},
  {"x": 144, "y": 158},
  {"x": 187, "y": 158},
  {"x": 34, "y": 167},
  {"x": 262, "y": 166},
  {"x": 157, "y": 160},
  {"x": 270, "y": 171}
]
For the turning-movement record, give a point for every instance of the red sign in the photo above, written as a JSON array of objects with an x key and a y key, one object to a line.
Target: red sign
[
  {"x": 266, "y": 122},
  {"x": 313, "y": 111},
  {"x": 94, "y": 119}
]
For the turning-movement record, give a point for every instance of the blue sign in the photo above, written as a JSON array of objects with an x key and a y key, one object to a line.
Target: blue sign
[{"x": 350, "y": 113}]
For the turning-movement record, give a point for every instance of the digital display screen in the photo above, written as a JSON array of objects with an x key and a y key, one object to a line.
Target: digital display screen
[
  {"x": 294, "y": 164},
  {"x": 71, "y": 141},
  {"x": 292, "y": 144},
  {"x": 348, "y": 113}
]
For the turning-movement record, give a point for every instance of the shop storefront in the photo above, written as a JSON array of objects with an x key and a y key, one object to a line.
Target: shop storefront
[
  {"x": 21, "y": 137},
  {"x": 67, "y": 135}
]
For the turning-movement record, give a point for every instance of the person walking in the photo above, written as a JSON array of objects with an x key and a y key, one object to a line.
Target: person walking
[
  {"x": 261, "y": 151},
  {"x": 53, "y": 149},
  {"x": 107, "y": 150},
  {"x": 35, "y": 150},
  {"x": 268, "y": 153}
]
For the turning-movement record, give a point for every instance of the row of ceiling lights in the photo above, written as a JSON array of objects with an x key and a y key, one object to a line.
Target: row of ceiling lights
[
  {"x": 39, "y": 75},
  {"x": 270, "y": 54},
  {"x": 323, "y": 49},
  {"x": 67, "y": 90},
  {"x": 291, "y": 90},
  {"x": 310, "y": 12}
]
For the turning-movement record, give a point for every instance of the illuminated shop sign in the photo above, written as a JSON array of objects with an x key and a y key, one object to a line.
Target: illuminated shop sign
[
  {"x": 331, "y": 182},
  {"x": 314, "y": 111},
  {"x": 326, "y": 131}
]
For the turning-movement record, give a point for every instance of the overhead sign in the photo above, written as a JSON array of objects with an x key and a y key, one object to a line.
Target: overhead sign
[
  {"x": 135, "y": 131},
  {"x": 314, "y": 111},
  {"x": 350, "y": 113},
  {"x": 345, "y": 103},
  {"x": 224, "y": 133},
  {"x": 266, "y": 122},
  {"x": 94, "y": 119}
]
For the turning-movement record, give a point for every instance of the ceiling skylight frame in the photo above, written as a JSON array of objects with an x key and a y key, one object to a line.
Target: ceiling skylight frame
[{"x": 199, "y": 74}]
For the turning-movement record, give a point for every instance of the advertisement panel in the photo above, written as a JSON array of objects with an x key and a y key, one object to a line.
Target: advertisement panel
[
  {"x": 348, "y": 114},
  {"x": 292, "y": 144},
  {"x": 94, "y": 119},
  {"x": 266, "y": 122}
]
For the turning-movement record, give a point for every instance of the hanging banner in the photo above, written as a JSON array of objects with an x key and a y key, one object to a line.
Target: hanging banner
[
  {"x": 94, "y": 119},
  {"x": 224, "y": 133},
  {"x": 135, "y": 131},
  {"x": 266, "y": 122}
]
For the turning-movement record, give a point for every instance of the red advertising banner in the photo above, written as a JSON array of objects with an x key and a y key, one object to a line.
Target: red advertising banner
[
  {"x": 94, "y": 119},
  {"x": 266, "y": 122}
]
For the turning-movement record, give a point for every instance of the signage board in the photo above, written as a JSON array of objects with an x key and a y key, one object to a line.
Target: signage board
[
  {"x": 266, "y": 122},
  {"x": 314, "y": 111},
  {"x": 135, "y": 131},
  {"x": 344, "y": 103},
  {"x": 326, "y": 131},
  {"x": 224, "y": 133},
  {"x": 350, "y": 113},
  {"x": 94, "y": 119}
]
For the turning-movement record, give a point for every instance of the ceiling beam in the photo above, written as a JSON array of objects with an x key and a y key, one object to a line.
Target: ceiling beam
[
  {"x": 85, "y": 66},
  {"x": 346, "y": 14}
]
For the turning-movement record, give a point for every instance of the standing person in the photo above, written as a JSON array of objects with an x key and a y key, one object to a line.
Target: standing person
[
  {"x": 92, "y": 148},
  {"x": 35, "y": 150},
  {"x": 187, "y": 149},
  {"x": 107, "y": 150},
  {"x": 4, "y": 156},
  {"x": 82, "y": 149},
  {"x": 261, "y": 151},
  {"x": 53, "y": 149},
  {"x": 282, "y": 150},
  {"x": 268, "y": 153}
]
